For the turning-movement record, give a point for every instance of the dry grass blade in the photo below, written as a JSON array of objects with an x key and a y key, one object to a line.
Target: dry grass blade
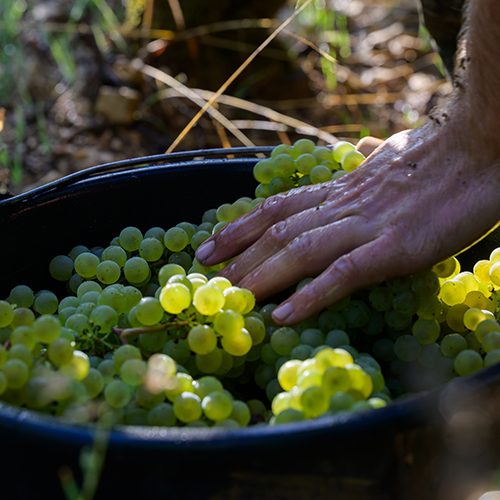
[
  {"x": 147, "y": 19},
  {"x": 236, "y": 74},
  {"x": 193, "y": 96},
  {"x": 235, "y": 102},
  {"x": 2, "y": 118}
]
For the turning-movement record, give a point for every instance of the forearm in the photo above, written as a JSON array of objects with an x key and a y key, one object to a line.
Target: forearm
[{"x": 481, "y": 80}]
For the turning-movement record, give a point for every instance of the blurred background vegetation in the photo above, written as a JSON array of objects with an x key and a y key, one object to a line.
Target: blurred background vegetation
[{"x": 85, "y": 82}]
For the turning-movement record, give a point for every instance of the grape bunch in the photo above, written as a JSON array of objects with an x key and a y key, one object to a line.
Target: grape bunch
[{"x": 146, "y": 335}]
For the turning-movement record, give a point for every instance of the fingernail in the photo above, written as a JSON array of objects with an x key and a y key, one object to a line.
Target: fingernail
[
  {"x": 205, "y": 251},
  {"x": 282, "y": 312}
]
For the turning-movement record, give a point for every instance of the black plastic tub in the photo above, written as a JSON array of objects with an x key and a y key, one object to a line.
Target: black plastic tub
[{"x": 444, "y": 444}]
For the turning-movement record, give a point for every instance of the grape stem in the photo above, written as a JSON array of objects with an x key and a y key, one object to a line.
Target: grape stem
[{"x": 123, "y": 333}]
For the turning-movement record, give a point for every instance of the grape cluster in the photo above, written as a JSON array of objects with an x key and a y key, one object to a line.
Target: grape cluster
[{"x": 148, "y": 336}]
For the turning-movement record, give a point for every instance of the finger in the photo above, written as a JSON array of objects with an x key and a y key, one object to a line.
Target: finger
[
  {"x": 279, "y": 235},
  {"x": 366, "y": 265},
  {"x": 242, "y": 232},
  {"x": 367, "y": 145},
  {"x": 307, "y": 255}
]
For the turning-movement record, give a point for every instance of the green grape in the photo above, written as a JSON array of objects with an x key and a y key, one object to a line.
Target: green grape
[
  {"x": 189, "y": 228},
  {"x": 312, "y": 337},
  {"x": 162, "y": 415},
  {"x": 375, "y": 324},
  {"x": 491, "y": 341},
  {"x": 485, "y": 327},
  {"x": 92, "y": 297},
  {"x": 60, "y": 351},
  {"x": 468, "y": 362},
  {"x": 287, "y": 416},
  {"x": 427, "y": 331},
  {"x": 130, "y": 238},
  {"x": 16, "y": 372},
  {"x": 209, "y": 363},
  {"x": 320, "y": 173},
  {"x": 175, "y": 298},
  {"x": 302, "y": 146},
  {"x": 337, "y": 338},
  {"x": 88, "y": 286},
  {"x": 380, "y": 298},
  {"x": 208, "y": 299},
  {"x": 187, "y": 407},
  {"x": 335, "y": 379},
  {"x": 287, "y": 374},
  {"x": 406, "y": 303},
  {"x": 94, "y": 383},
  {"x": 340, "y": 149},
  {"x": 116, "y": 254},
  {"x": 237, "y": 344},
  {"x": 151, "y": 249},
  {"x": 447, "y": 268},
  {"x": 407, "y": 348},
  {"x": 133, "y": 371},
  {"x": 86, "y": 264},
  {"x": 124, "y": 353},
  {"x": 46, "y": 328},
  {"x": 351, "y": 160},
  {"x": 22, "y": 317},
  {"x": 228, "y": 323},
  {"x": 61, "y": 268},
  {"x": 117, "y": 394},
  {"x": 107, "y": 369},
  {"x": 240, "y": 412},
  {"x": 22, "y": 295},
  {"x": 455, "y": 317},
  {"x": 23, "y": 335},
  {"x": 136, "y": 270},
  {"x": 202, "y": 339},
  {"x": 284, "y": 340},
  {"x": 79, "y": 323},
  {"x": 491, "y": 358},
  {"x": 78, "y": 368},
  {"x": 176, "y": 239},
  {"x": 332, "y": 357},
  {"x": 314, "y": 401},
  {"x": 429, "y": 356},
  {"x": 283, "y": 165},
  {"x": 452, "y": 344},
  {"x": 45, "y": 303},
  {"x": 341, "y": 401},
  {"x": 108, "y": 272},
  {"x": 104, "y": 318},
  {"x": 255, "y": 327},
  {"x": 397, "y": 321},
  {"x": 482, "y": 271},
  {"x": 263, "y": 172},
  {"x": 68, "y": 302},
  {"x": 305, "y": 163},
  {"x": 331, "y": 320},
  {"x": 281, "y": 148},
  {"x": 198, "y": 238},
  {"x": 430, "y": 307},
  {"x": 237, "y": 209},
  {"x": 112, "y": 297},
  {"x": 155, "y": 232},
  {"x": 262, "y": 191},
  {"x": 21, "y": 351},
  {"x": 210, "y": 216},
  {"x": 280, "y": 185},
  {"x": 149, "y": 311},
  {"x": 453, "y": 292},
  {"x": 322, "y": 154},
  {"x": 425, "y": 283},
  {"x": 217, "y": 406},
  {"x": 356, "y": 314}
]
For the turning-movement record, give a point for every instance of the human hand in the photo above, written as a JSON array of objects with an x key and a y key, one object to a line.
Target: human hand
[{"x": 422, "y": 196}]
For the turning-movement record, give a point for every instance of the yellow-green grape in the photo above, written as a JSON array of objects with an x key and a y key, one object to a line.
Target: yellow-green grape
[
  {"x": 20, "y": 351},
  {"x": 221, "y": 282},
  {"x": 476, "y": 299},
  {"x": 86, "y": 264},
  {"x": 452, "y": 344},
  {"x": 455, "y": 317},
  {"x": 133, "y": 371},
  {"x": 161, "y": 370},
  {"x": 237, "y": 344},
  {"x": 427, "y": 331},
  {"x": 495, "y": 273},
  {"x": 309, "y": 378},
  {"x": 235, "y": 299},
  {"x": 22, "y": 296},
  {"x": 217, "y": 406},
  {"x": 482, "y": 271},
  {"x": 47, "y": 328},
  {"x": 23, "y": 335},
  {"x": 281, "y": 148},
  {"x": 209, "y": 363},
  {"x": 228, "y": 323},
  {"x": 208, "y": 299},
  {"x": 16, "y": 372},
  {"x": 175, "y": 298},
  {"x": 182, "y": 382},
  {"x": 255, "y": 328},
  {"x": 117, "y": 394},
  {"x": 130, "y": 238},
  {"x": 453, "y": 292},
  {"x": 176, "y": 239},
  {"x": 202, "y": 339},
  {"x": 485, "y": 327},
  {"x": 491, "y": 341},
  {"x": 263, "y": 172},
  {"x": 78, "y": 368},
  {"x": 280, "y": 402},
  {"x": 287, "y": 374},
  {"x": 351, "y": 160},
  {"x": 323, "y": 155},
  {"x": 335, "y": 379},
  {"x": 469, "y": 280},
  {"x": 340, "y": 149},
  {"x": 429, "y": 308},
  {"x": 169, "y": 270},
  {"x": 314, "y": 402},
  {"x": 332, "y": 357},
  {"x": 151, "y": 249},
  {"x": 448, "y": 268},
  {"x": 240, "y": 412},
  {"x": 302, "y": 146},
  {"x": 60, "y": 351},
  {"x": 495, "y": 255},
  {"x": 250, "y": 298},
  {"x": 262, "y": 191},
  {"x": 473, "y": 317},
  {"x": 6, "y": 314},
  {"x": 359, "y": 380}
]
